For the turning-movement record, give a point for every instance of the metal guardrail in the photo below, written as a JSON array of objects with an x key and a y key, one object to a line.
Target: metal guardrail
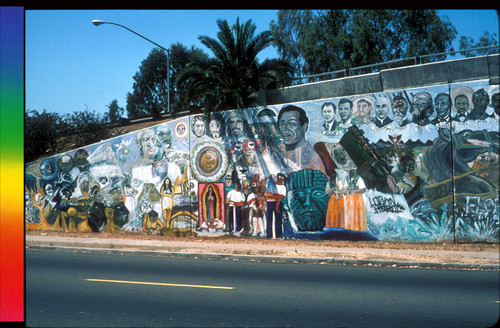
[{"x": 417, "y": 60}]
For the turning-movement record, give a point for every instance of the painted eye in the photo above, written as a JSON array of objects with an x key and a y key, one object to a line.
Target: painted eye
[
  {"x": 299, "y": 194},
  {"x": 318, "y": 193}
]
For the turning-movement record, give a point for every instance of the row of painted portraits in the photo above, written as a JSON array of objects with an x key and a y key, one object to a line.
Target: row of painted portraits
[{"x": 415, "y": 164}]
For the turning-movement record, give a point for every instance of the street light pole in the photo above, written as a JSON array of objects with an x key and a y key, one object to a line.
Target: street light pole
[{"x": 97, "y": 22}]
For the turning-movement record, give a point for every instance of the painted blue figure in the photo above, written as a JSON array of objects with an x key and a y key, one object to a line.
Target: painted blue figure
[
  {"x": 275, "y": 192},
  {"x": 306, "y": 200}
]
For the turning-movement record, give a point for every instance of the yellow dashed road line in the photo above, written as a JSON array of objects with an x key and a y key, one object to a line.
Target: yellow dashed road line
[{"x": 158, "y": 284}]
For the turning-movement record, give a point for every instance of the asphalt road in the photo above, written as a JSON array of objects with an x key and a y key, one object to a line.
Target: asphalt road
[{"x": 103, "y": 290}]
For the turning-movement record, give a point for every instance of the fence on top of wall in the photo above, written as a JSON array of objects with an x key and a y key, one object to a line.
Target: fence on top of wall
[{"x": 408, "y": 154}]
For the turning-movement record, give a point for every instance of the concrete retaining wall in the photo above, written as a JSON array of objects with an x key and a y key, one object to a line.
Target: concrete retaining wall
[
  {"x": 415, "y": 177},
  {"x": 461, "y": 70}
]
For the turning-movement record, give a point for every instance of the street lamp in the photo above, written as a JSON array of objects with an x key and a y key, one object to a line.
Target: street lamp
[{"x": 97, "y": 22}]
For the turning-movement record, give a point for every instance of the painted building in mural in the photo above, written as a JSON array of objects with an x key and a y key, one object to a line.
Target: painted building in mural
[{"x": 414, "y": 165}]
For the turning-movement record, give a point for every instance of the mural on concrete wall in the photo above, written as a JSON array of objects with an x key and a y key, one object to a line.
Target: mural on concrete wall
[{"x": 415, "y": 164}]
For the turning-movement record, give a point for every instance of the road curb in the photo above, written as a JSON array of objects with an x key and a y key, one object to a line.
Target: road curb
[{"x": 273, "y": 258}]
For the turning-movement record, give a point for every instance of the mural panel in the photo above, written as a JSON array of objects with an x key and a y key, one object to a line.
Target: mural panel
[
  {"x": 211, "y": 207},
  {"x": 417, "y": 164}
]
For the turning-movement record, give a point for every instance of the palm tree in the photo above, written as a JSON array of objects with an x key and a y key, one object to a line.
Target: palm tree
[{"x": 228, "y": 80}]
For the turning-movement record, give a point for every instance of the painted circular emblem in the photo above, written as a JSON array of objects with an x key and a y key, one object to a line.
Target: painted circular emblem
[{"x": 208, "y": 161}]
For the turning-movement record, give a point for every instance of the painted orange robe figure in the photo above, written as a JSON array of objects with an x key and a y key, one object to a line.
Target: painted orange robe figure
[{"x": 346, "y": 208}]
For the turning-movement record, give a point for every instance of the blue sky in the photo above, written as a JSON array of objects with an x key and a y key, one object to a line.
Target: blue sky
[{"x": 72, "y": 65}]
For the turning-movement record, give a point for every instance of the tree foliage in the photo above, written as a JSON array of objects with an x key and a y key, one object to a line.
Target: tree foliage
[
  {"x": 331, "y": 40},
  {"x": 115, "y": 112},
  {"x": 181, "y": 57},
  {"x": 87, "y": 125},
  {"x": 152, "y": 83},
  {"x": 43, "y": 130},
  {"x": 150, "y": 88},
  {"x": 486, "y": 40},
  {"x": 292, "y": 27},
  {"x": 234, "y": 74}
]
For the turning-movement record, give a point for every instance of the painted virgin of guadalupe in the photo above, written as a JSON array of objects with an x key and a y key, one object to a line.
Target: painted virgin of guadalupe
[{"x": 210, "y": 204}]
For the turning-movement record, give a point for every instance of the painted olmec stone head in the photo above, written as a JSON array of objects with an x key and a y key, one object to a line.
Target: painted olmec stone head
[{"x": 306, "y": 199}]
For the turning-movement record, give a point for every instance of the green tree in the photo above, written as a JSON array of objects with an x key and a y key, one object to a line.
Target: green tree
[
  {"x": 87, "y": 125},
  {"x": 486, "y": 40},
  {"x": 180, "y": 58},
  {"x": 150, "y": 89},
  {"x": 152, "y": 83},
  {"x": 291, "y": 28},
  {"x": 234, "y": 74},
  {"x": 135, "y": 108},
  {"x": 41, "y": 131},
  {"x": 331, "y": 40},
  {"x": 425, "y": 32},
  {"x": 115, "y": 112}
]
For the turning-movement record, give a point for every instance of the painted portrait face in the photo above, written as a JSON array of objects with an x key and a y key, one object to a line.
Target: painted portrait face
[
  {"x": 291, "y": 129},
  {"x": 421, "y": 105},
  {"x": 148, "y": 144},
  {"x": 461, "y": 104},
  {"x": 164, "y": 137},
  {"x": 345, "y": 111},
  {"x": 408, "y": 166},
  {"x": 364, "y": 109},
  {"x": 235, "y": 124},
  {"x": 308, "y": 206},
  {"x": 280, "y": 179},
  {"x": 480, "y": 99},
  {"x": 382, "y": 107},
  {"x": 199, "y": 128},
  {"x": 328, "y": 113},
  {"x": 400, "y": 106},
  {"x": 442, "y": 105},
  {"x": 181, "y": 129},
  {"x": 214, "y": 127},
  {"x": 229, "y": 181}
]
